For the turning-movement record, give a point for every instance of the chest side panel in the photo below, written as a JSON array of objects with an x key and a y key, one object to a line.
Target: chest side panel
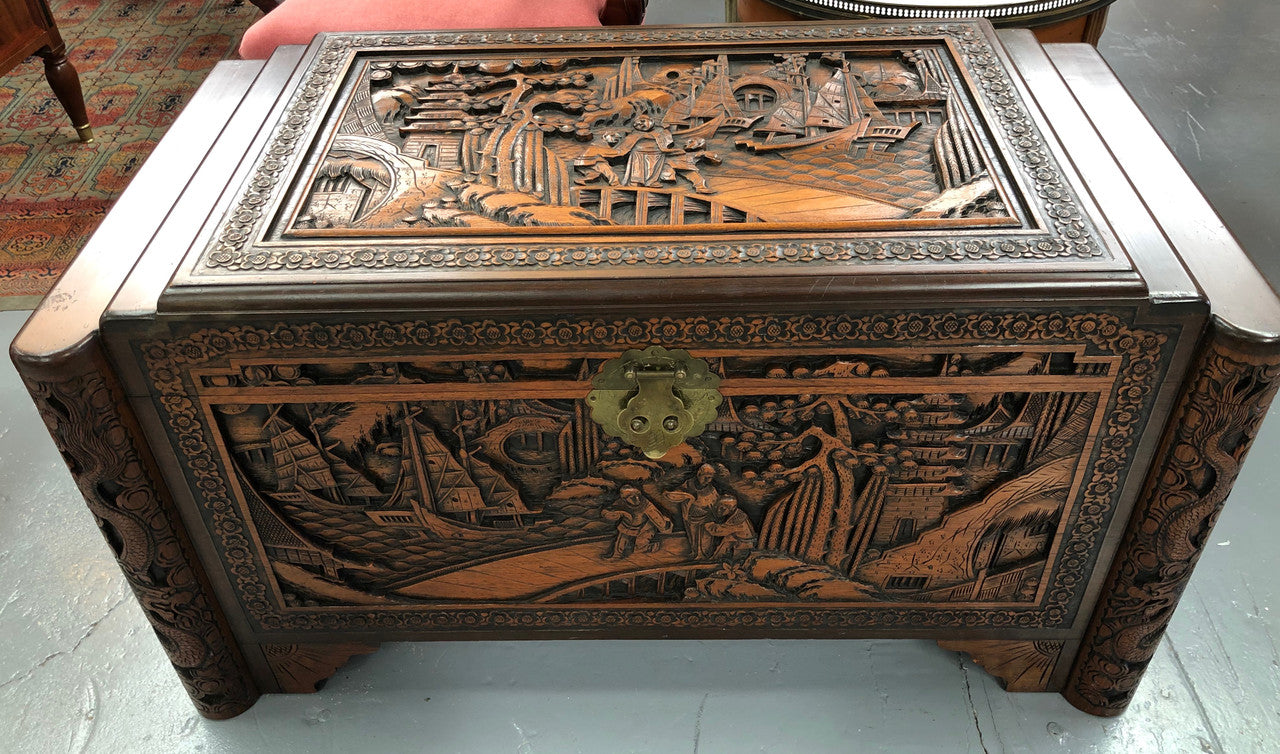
[{"x": 921, "y": 470}]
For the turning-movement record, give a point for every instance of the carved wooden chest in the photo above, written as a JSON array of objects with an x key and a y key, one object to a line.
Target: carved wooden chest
[{"x": 887, "y": 330}]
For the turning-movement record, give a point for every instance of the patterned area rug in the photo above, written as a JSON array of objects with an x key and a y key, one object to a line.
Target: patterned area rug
[{"x": 139, "y": 62}]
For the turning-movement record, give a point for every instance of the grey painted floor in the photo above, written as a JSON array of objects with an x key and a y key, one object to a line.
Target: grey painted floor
[{"x": 80, "y": 669}]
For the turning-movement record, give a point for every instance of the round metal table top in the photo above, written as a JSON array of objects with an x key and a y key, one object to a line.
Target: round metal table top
[{"x": 999, "y": 12}]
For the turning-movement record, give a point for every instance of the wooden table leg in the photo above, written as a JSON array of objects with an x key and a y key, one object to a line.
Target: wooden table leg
[{"x": 65, "y": 83}]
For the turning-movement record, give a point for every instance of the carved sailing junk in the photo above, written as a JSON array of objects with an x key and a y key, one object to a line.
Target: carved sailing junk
[
  {"x": 839, "y": 115},
  {"x": 445, "y": 495},
  {"x": 652, "y": 142},
  {"x": 711, "y": 103}
]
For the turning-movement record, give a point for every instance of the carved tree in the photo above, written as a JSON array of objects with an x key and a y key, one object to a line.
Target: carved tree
[{"x": 838, "y": 479}]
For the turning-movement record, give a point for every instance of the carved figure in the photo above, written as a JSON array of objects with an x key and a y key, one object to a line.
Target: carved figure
[
  {"x": 639, "y": 521},
  {"x": 737, "y": 535},
  {"x": 686, "y": 164},
  {"x": 593, "y": 163},
  {"x": 646, "y": 149},
  {"x": 652, "y": 158},
  {"x": 697, "y": 509}
]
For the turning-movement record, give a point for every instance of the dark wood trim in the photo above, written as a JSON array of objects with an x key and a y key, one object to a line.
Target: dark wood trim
[
  {"x": 69, "y": 313},
  {"x": 85, "y": 410},
  {"x": 240, "y": 132},
  {"x": 1218, "y": 415},
  {"x": 1106, "y": 183},
  {"x": 1230, "y": 385},
  {"x": 840, "y": 290},
  {"x": 1242, "y": 299},
  {"x": 60, "y": 358}
]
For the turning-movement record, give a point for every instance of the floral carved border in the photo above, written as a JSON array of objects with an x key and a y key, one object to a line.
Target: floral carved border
[
  {"x": 1144, "y": 355},
  {"x": 1070, "y": 235}
]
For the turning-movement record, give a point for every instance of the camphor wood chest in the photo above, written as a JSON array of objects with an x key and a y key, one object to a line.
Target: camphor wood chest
[{"x": 877, "y": 330}]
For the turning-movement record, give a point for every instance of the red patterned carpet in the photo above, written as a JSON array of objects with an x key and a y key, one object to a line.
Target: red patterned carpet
[{"x": 139, "y": 62}]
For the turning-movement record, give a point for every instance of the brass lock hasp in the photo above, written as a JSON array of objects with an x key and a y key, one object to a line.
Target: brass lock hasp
[{"x": 654, "y": 399}]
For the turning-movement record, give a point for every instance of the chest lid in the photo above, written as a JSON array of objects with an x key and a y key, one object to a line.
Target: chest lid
[{"x": 571, "y": 156}]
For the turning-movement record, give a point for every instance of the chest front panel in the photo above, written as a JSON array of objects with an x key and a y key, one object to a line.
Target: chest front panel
[{"x": 922, "y": 470}]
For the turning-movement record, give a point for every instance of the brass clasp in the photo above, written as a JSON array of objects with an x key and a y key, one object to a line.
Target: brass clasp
[{"x": 654, "y": 399}]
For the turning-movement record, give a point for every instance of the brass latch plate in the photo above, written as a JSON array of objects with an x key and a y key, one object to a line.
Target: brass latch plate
[{"x": 654, "y": 399}]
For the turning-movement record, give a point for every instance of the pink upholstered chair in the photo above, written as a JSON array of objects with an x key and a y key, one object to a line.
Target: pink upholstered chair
[{"x": 297, "y": 21}]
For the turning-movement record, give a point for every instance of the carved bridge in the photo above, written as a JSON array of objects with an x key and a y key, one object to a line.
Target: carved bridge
[
  {"x": 737, "y": 199},
  {"x": 653, "y": 205}
]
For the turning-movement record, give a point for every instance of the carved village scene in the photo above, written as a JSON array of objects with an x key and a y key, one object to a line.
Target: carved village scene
[
  {"x": 637, "y": 141},
  {"x": 800, "y": 494}
]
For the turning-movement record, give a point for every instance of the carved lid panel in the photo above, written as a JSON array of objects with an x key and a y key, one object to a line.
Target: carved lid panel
[{"x": 471, "y": 153}]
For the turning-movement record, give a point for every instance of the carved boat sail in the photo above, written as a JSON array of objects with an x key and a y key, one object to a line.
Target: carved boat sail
[
  {"x": 710, "y": 104},
  {"x": 441, "y": 494},
  {"x": 299, "y": 463},
  {"x": 840, "y": 111},
  {"x": 307, "y": 472},
  {"x": 788, "y": 119},
  {"x": 280, "y": 539},
  {"x": 833, "y": 107},
  {"x": 713, "y": 99}
]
